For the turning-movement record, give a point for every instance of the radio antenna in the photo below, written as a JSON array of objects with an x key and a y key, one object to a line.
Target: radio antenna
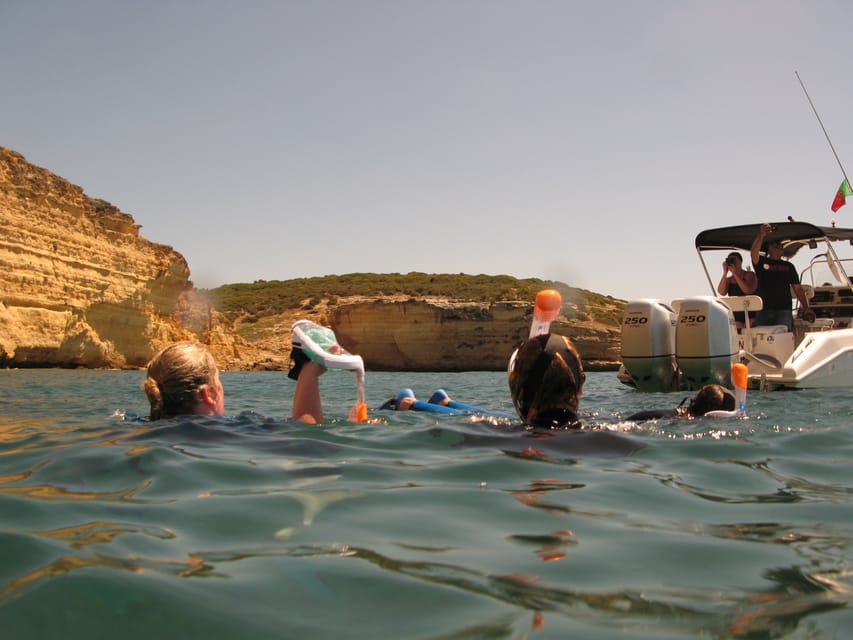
[{"x": 820, "y": 122}]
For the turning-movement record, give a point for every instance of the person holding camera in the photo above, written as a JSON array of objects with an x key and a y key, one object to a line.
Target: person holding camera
[{"x": 737, "y": 281}]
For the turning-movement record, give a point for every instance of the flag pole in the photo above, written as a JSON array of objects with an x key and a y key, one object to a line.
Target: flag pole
[{"x": 820, "y": 122}]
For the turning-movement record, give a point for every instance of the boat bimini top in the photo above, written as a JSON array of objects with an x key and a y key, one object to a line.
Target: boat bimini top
[{"x": 792, "y": 235}]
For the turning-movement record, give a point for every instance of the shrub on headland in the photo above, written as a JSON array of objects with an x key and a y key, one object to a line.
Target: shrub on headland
[{"x": 271, "y": 297}]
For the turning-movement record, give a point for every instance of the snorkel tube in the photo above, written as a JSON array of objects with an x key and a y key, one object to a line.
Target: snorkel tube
[
  {"x": 545, "y": 311},
  {"x": 740, "y": 378}
]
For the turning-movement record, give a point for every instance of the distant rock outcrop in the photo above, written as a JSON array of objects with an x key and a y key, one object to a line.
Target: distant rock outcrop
[
  {"x": 441, "y": 335},
  {"x": 80, "y": 287}
]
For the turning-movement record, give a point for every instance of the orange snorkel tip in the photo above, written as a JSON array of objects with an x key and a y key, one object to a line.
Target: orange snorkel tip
[
  {"x": 739, "y": 375},
  {"x": 548, "y": 305},
  {"x": 545, "y": 310}
]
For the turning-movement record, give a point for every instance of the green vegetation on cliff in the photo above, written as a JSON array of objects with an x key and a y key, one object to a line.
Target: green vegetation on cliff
[{"x": 270, "y": 297}]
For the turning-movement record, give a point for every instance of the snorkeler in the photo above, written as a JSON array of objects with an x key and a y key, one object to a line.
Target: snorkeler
[
  {"x": 546, "y": 381},
  {"x": 709, "y": 399},
  {"x": 545, "y": 377}
]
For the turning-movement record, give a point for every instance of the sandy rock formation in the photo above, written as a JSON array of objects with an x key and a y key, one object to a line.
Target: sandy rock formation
[
  {"x": 439, "y": 335},
  {"x": 78, "y": 285}
]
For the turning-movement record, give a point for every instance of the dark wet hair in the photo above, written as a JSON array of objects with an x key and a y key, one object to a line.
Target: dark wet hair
[
  {"x": 711, "y": 397},
  {"x": 545, "y": 379}
]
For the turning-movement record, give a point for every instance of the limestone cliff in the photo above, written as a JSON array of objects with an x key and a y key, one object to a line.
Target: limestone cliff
[
  {"x": 423, "y": 335},
  {"x": 401, "y": 333},
  {"x": 78, "y": 285}
]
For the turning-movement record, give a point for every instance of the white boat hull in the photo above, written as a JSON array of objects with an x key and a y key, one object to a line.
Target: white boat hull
[{"x": 824, "y": 359}]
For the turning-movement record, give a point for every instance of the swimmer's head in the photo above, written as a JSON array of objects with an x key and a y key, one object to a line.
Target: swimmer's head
[
  {"x": 183, "y": 379},
  {"x": 711, "y": 397},
  {"x": 545, "y": 380}
]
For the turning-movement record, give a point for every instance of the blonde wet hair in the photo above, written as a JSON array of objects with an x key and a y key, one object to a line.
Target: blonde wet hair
[{"x": 176, "y": 375}]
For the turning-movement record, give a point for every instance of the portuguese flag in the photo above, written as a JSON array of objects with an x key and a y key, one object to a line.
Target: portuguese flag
[{"x": 841, "y": 196}]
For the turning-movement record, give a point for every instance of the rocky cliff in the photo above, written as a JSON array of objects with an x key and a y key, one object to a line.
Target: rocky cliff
[
  {"x": 79, "y": 286},
  {"x": 440, "y": 335}
]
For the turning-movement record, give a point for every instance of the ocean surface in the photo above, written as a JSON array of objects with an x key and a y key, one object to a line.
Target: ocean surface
[{"x": 419, "y": 525}]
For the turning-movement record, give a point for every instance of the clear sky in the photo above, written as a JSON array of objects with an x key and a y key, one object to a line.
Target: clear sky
[{"x": 587, "y": 142}]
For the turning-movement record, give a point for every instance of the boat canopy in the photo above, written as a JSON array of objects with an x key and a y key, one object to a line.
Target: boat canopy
[{"x": 792, "y": 235}]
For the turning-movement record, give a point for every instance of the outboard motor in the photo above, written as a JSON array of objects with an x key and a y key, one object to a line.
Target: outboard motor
[
  {"x": 706, "y": 342},
  {"x": 648, "y": 345}
]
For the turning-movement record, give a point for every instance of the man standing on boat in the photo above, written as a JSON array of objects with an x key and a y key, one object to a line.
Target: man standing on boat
[{"x": 776, "y": 279}]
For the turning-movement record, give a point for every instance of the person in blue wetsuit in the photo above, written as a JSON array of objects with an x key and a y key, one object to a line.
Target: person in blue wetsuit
[
  {"x": 183, "y": 379},
  {"x": 777, "y": 278},
  {"x": 439, "y": 402}
]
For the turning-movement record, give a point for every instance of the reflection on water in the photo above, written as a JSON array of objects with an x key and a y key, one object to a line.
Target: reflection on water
[{"x": 415, "y": 525}]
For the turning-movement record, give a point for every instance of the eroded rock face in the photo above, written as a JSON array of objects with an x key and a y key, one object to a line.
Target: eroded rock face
[
  {"x": 430, "y": 336},
  {"x": 78, "y": 285},
  {"x": 422, "y": 335}
]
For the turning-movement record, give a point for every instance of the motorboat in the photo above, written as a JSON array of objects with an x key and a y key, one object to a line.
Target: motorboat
[{"x": 689, "y": 342}]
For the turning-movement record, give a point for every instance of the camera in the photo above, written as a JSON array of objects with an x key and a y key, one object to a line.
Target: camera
[{"x": 730, "y": 261}]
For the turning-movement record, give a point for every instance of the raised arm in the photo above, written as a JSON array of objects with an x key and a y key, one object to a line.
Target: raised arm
[
  {"x": 755, "y": 252},
  {"x": 746, "y": 280},
  {"x": 307, "y": 405},
  {"x": 723, "y": 286}
]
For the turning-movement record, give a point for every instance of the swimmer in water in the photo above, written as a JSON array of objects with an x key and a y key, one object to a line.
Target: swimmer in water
[
  {"x": 546, "y": 381},
  {"x": 711, "y": 397},
  {"x": 183, "y": 379}
]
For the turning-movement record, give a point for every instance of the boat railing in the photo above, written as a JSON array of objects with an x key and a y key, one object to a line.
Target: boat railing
[{"x": 833, "y": 270}]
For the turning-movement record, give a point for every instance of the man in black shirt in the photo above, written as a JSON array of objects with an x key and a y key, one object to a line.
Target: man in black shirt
[{"x": 776, "y": 279}]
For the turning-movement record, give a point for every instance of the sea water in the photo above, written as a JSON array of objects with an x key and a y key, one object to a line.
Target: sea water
[{"x": 418, "y": 525}]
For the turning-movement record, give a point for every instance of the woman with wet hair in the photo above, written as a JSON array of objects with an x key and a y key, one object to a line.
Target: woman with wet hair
[{"x": 183, "y": 379}]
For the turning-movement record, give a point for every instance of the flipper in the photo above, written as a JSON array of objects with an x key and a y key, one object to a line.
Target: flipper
[
  {"x": 420, "y": 405},
  {"x": 440, "y": 395}
]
